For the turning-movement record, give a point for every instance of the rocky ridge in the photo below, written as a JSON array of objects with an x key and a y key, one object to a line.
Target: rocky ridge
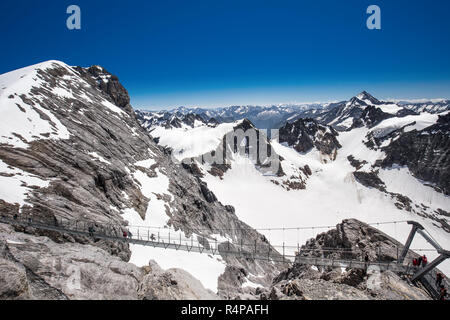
[
  {"x": 304, "y": 134},
  {"x": 93, "y": 175}
]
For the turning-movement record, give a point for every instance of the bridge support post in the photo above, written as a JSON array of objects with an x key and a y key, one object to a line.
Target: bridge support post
[
  {"x": 415, "y": 226},
  {"x": 430, "y": 241}
]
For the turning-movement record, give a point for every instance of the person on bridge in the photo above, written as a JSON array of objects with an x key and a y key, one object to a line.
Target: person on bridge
[
  {"x": 442, "y": 293},
  {"x": 439, "y": 278},
  {"x": 152, "y": 237},
  {"x": 130, "y": 235},
  {"x": 415, "y": 262},
  {"x": 366, "y": 261},
  {"x": 124, "y": 233},
  {"x": 419, "y": 261},
  {"x": 424, "y": 261}
]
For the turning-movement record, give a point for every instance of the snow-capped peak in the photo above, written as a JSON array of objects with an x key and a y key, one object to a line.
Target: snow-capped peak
[
  {"x": 366, "y": 98},
  {"x": 25, "y": 75}
]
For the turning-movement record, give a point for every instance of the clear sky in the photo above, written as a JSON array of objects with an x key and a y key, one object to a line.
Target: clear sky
[{"x": 216, "y": 53}]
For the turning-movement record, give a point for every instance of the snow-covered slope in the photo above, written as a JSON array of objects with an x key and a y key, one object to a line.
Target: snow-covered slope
[
  {"x": 189, "y": 142},
  {"x": 431, "y": 106},
  {"x": 409, "y": 123},
  {"x": 331, "y": 194},
  {"x": 331, "y": 190},
  {"x": 41, "y": 123}
]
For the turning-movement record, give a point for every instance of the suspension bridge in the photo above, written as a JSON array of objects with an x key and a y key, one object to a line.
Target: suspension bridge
[{"x": 175, "y": 240}]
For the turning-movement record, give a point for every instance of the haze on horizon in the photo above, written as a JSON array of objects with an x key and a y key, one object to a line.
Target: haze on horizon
[{"x": 220, "y": 100}]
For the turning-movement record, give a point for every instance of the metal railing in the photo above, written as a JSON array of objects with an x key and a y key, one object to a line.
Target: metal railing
[
  {"x": 165, "y": 241},
  {"x": 175, "y": 240}
]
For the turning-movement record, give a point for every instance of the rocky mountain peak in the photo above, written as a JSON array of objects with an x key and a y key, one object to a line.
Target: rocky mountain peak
[
  {"x": 370, "y": 117},
  {"x": 304, "y": 134},
  {"x": 245, "y": 125},
  {"x": 367, "y": 98},
  {"x": 109, "y": 84},
  {"x": 168, "y": 120}
]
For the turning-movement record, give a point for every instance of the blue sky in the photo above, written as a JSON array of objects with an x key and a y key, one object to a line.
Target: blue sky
[{"x": 217, "y": 53}]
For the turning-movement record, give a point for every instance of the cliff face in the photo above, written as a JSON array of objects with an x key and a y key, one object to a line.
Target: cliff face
[
  {"x": 85, "y": 157},
  {"x": 426, "y": 153},
  {"x": 304, "y": 134},
  {"x": 107, "y": 83},
  {"x": 370, "y": 117}
]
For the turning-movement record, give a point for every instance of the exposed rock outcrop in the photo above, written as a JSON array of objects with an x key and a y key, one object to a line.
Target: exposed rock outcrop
[
  {"x": 304, "y": 134},
  {"x": 371, "y": 116},
  {"x": 426, "y": 153},
  {"x": 354, "y": 240},
  {"x": 171, "y": 284},
  {"x": 370, "y": 180}
]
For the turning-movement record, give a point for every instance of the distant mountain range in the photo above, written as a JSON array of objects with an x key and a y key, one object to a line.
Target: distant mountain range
[
  {"x": 260, "y": 116},
  {"x": 339, "y": 114}
]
